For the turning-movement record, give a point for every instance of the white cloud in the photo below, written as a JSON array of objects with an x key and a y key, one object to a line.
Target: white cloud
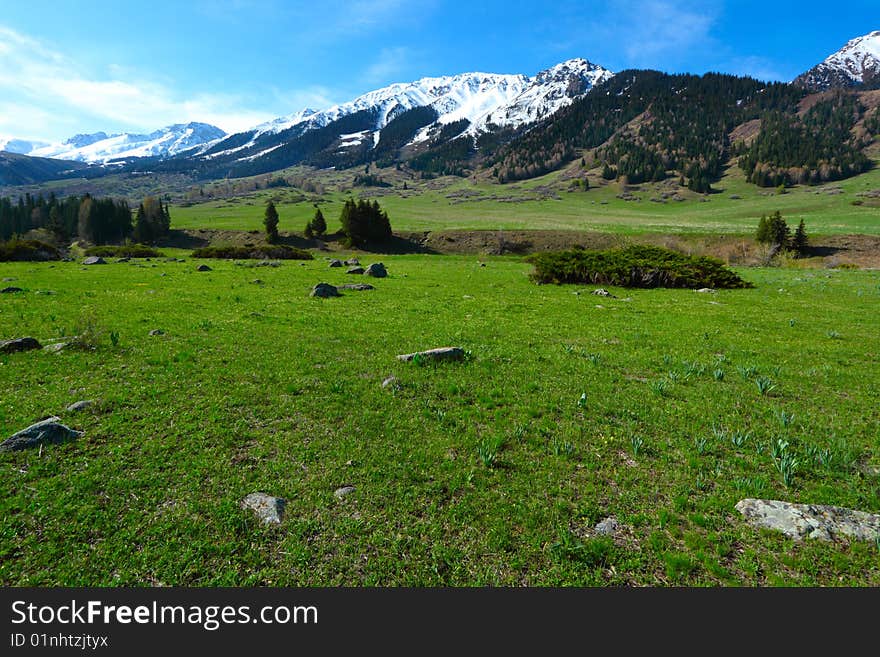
[{"x": 47, "y": 95}]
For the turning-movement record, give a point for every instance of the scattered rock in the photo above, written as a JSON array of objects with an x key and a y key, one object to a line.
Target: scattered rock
[
  {"x": 392, "y": 382},
  {"x": 336, "y": 263},
  {"x": 57, "y": 347},
  {"x": 125, "y": 259},
  {"x": 607, "y": 527},
  {"x": 46, "y": 431},
  {"x": 799, "y": 521},
  {"x": 324, "y": 291},
  {"x": 157, "y": 332},
  {"x": 19, "y": 344},
  {"x": 203, "y": 268},
  {"x": 440, "y": 353},
  {"x": 10, "y": 290},
  {"x": 75, "y": 407},
  {"x": 706, "y": 290},
  {"x": 355, "y": 270},
  {"x": 257, "y": 281},
  {"x": 352, "y": 262},
  {"x": 344, "y": 491},
  {"x": 482, "y": 264},
  {"x": 270, "y": 510},
  {"x": 94, "y": 260},
  {"x": 360, "y": 287},
  {"x": 602, "y": 292},
  {"x": 9, "y": 279},
  {"x": 377, "y": 270}
]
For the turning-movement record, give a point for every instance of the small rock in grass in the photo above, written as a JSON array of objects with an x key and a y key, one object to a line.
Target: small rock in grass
[
  {"x": 344, "y": 491},
  {"x": 607, "y": 527},
  {"x": 355, "y": 270},
  {"x": 324, "y": 291},
  {"x": 203, "y": 268},
  {"x": 19, "y": 344},
  {"x": 392, "y": 382},
  {"x": 335, "y": 263},
  {"x": 359, "y": 287},
  {"x": 82, "y": 405},
  {"x": 602, "y": 292},
  {"x": 706, "y": 290},
  {"x": 122, "y": 260},
  {"x": 11, "y": 290},
  {"x": 799, "y": 521},
  {"x": 270, "y": 510},
  {"x": 440, "y": 353},
  {"x": 57, "y": 347},
  {"x": 377, "y": 270},
  {"x": 352, "y": 262},
  {"x": 9, "y": 279},
  {"x": 155, "y": 332},
  {"x": 94, "y": 260},
  {"x": 46, "y": 431},
  {"x": 256, "y": 281}
]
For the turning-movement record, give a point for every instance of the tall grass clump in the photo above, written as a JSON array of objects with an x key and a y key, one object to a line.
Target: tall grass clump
[{"x": 633, "y": 266}]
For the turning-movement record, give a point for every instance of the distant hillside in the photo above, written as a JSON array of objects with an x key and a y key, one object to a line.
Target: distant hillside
[{"x": 18, "y": 169}]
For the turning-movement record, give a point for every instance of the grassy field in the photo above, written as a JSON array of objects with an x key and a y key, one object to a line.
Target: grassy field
[
  {"x": 568, "y": 409},
  {"x": 547, "y": 203}
]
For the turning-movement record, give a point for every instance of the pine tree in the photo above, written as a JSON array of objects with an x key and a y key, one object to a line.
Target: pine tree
[
  {"x": 800, "y": 242},
  {"x": 318, "y": 223},
  {"x": 270, "y": 221}
]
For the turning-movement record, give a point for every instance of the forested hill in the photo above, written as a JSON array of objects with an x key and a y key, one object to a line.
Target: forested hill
[{"x": 647, "y": 125}]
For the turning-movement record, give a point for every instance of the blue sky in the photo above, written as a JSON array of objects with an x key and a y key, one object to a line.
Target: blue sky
[{"x": 68, "y": 66}]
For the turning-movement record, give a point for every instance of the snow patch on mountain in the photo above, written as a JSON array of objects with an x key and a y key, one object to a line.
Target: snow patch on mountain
[
  {"x": 101, "y": 147},
  {"x": 857, "y": 63}
]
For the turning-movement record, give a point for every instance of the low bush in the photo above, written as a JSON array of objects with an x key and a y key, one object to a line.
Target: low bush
[
  {"x": 24, "y": 250},
  {"x": 259, "y": 252},
  {"x": 124, "y": 251},
  {"x": 634, "y": 266}
]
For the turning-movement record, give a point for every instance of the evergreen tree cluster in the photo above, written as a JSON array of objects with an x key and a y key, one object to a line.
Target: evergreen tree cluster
[
  {"x": 152, "y": 221},
  {"x": 270, "y": 221},
  {"x": 317, "y": 226},
  {"x": 97, "y": 220},
  {"x": 364, "y": 221},
  {"x": 673, "y": 123},
  {"x": 815, "y": 148},
  {"x": 774, "y": 231}
]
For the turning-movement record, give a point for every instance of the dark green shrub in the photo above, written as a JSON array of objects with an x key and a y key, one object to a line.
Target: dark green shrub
[
  {"x": 259, "y": 252},
  {"x": 23, "y": 250},
  {"x": 124, "y": 251},
  {"x": 634, "y": 266}
]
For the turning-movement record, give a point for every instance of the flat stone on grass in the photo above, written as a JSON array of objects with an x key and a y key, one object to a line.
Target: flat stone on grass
[
  {"x": 799, "y": 521},
  {"x": 11, "y": 290},
  {"x": 324, "y": 291},
  {"x": 269, "y": 509},
  {"x": 19, "y": 344},
  {"x": 81, "y": 405},
  {"x": 343, "y": 491},
  {"x": 44, "y": 432},
  {"x": 440, "y": 353},
  {"x": 94, "y": 260}
]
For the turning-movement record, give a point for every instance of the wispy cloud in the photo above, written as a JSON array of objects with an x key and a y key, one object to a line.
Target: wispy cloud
[
  {"x": 47, "y": 93},
  {"x": 390, "y": 63}
]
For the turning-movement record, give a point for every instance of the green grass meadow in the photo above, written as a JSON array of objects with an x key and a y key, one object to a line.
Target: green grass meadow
[
  {"x": 465, "y": 204},
  {"x": 569, "y": 408}
]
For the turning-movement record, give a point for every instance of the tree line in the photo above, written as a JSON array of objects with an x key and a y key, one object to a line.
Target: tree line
[{"x": 93, "y": 219}]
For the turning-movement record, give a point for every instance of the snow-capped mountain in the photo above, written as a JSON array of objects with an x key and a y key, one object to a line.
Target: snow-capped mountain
[
  {"x": 856, "y": 64},
  {"x": 484, "y": 100},
  {"x": 19, "y": 146},
  {"x": 99, "y": 147}
]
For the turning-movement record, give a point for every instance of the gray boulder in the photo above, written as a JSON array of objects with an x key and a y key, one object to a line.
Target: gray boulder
[
  {"x": 359, "y": 287},
  {"x": 324, "y": 291},
  {"x": 602, "y": 292},
  {"x": 352, "y": 262},
  {"x": 270, "y": 510},
  {"x": 377, "y": 270},
  {"x": 94, "y": 260},
  {"x": 203, "y": 268},
  {"x": 391, "y": 382},
  {"x": 706, "y": 290},
  {"x": 607, "y": 527},
  {"x": 123, "y": 260},
  {"x": 44, "y": 432},
  {"x": 440, "y": 353},
  {"x": 799, "y": 521},
  {"x": 58, "y": 347},
  {"x": 336, "y": 263},
  {"x": 81, "y": 405},
  {"x": 343, "y": 491},
  {"x": 355, "y": 270},
  {"x": 11, "y": 290},
  {"x": 19, "y": 344},
  {"x": 156, "y": 332}
]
